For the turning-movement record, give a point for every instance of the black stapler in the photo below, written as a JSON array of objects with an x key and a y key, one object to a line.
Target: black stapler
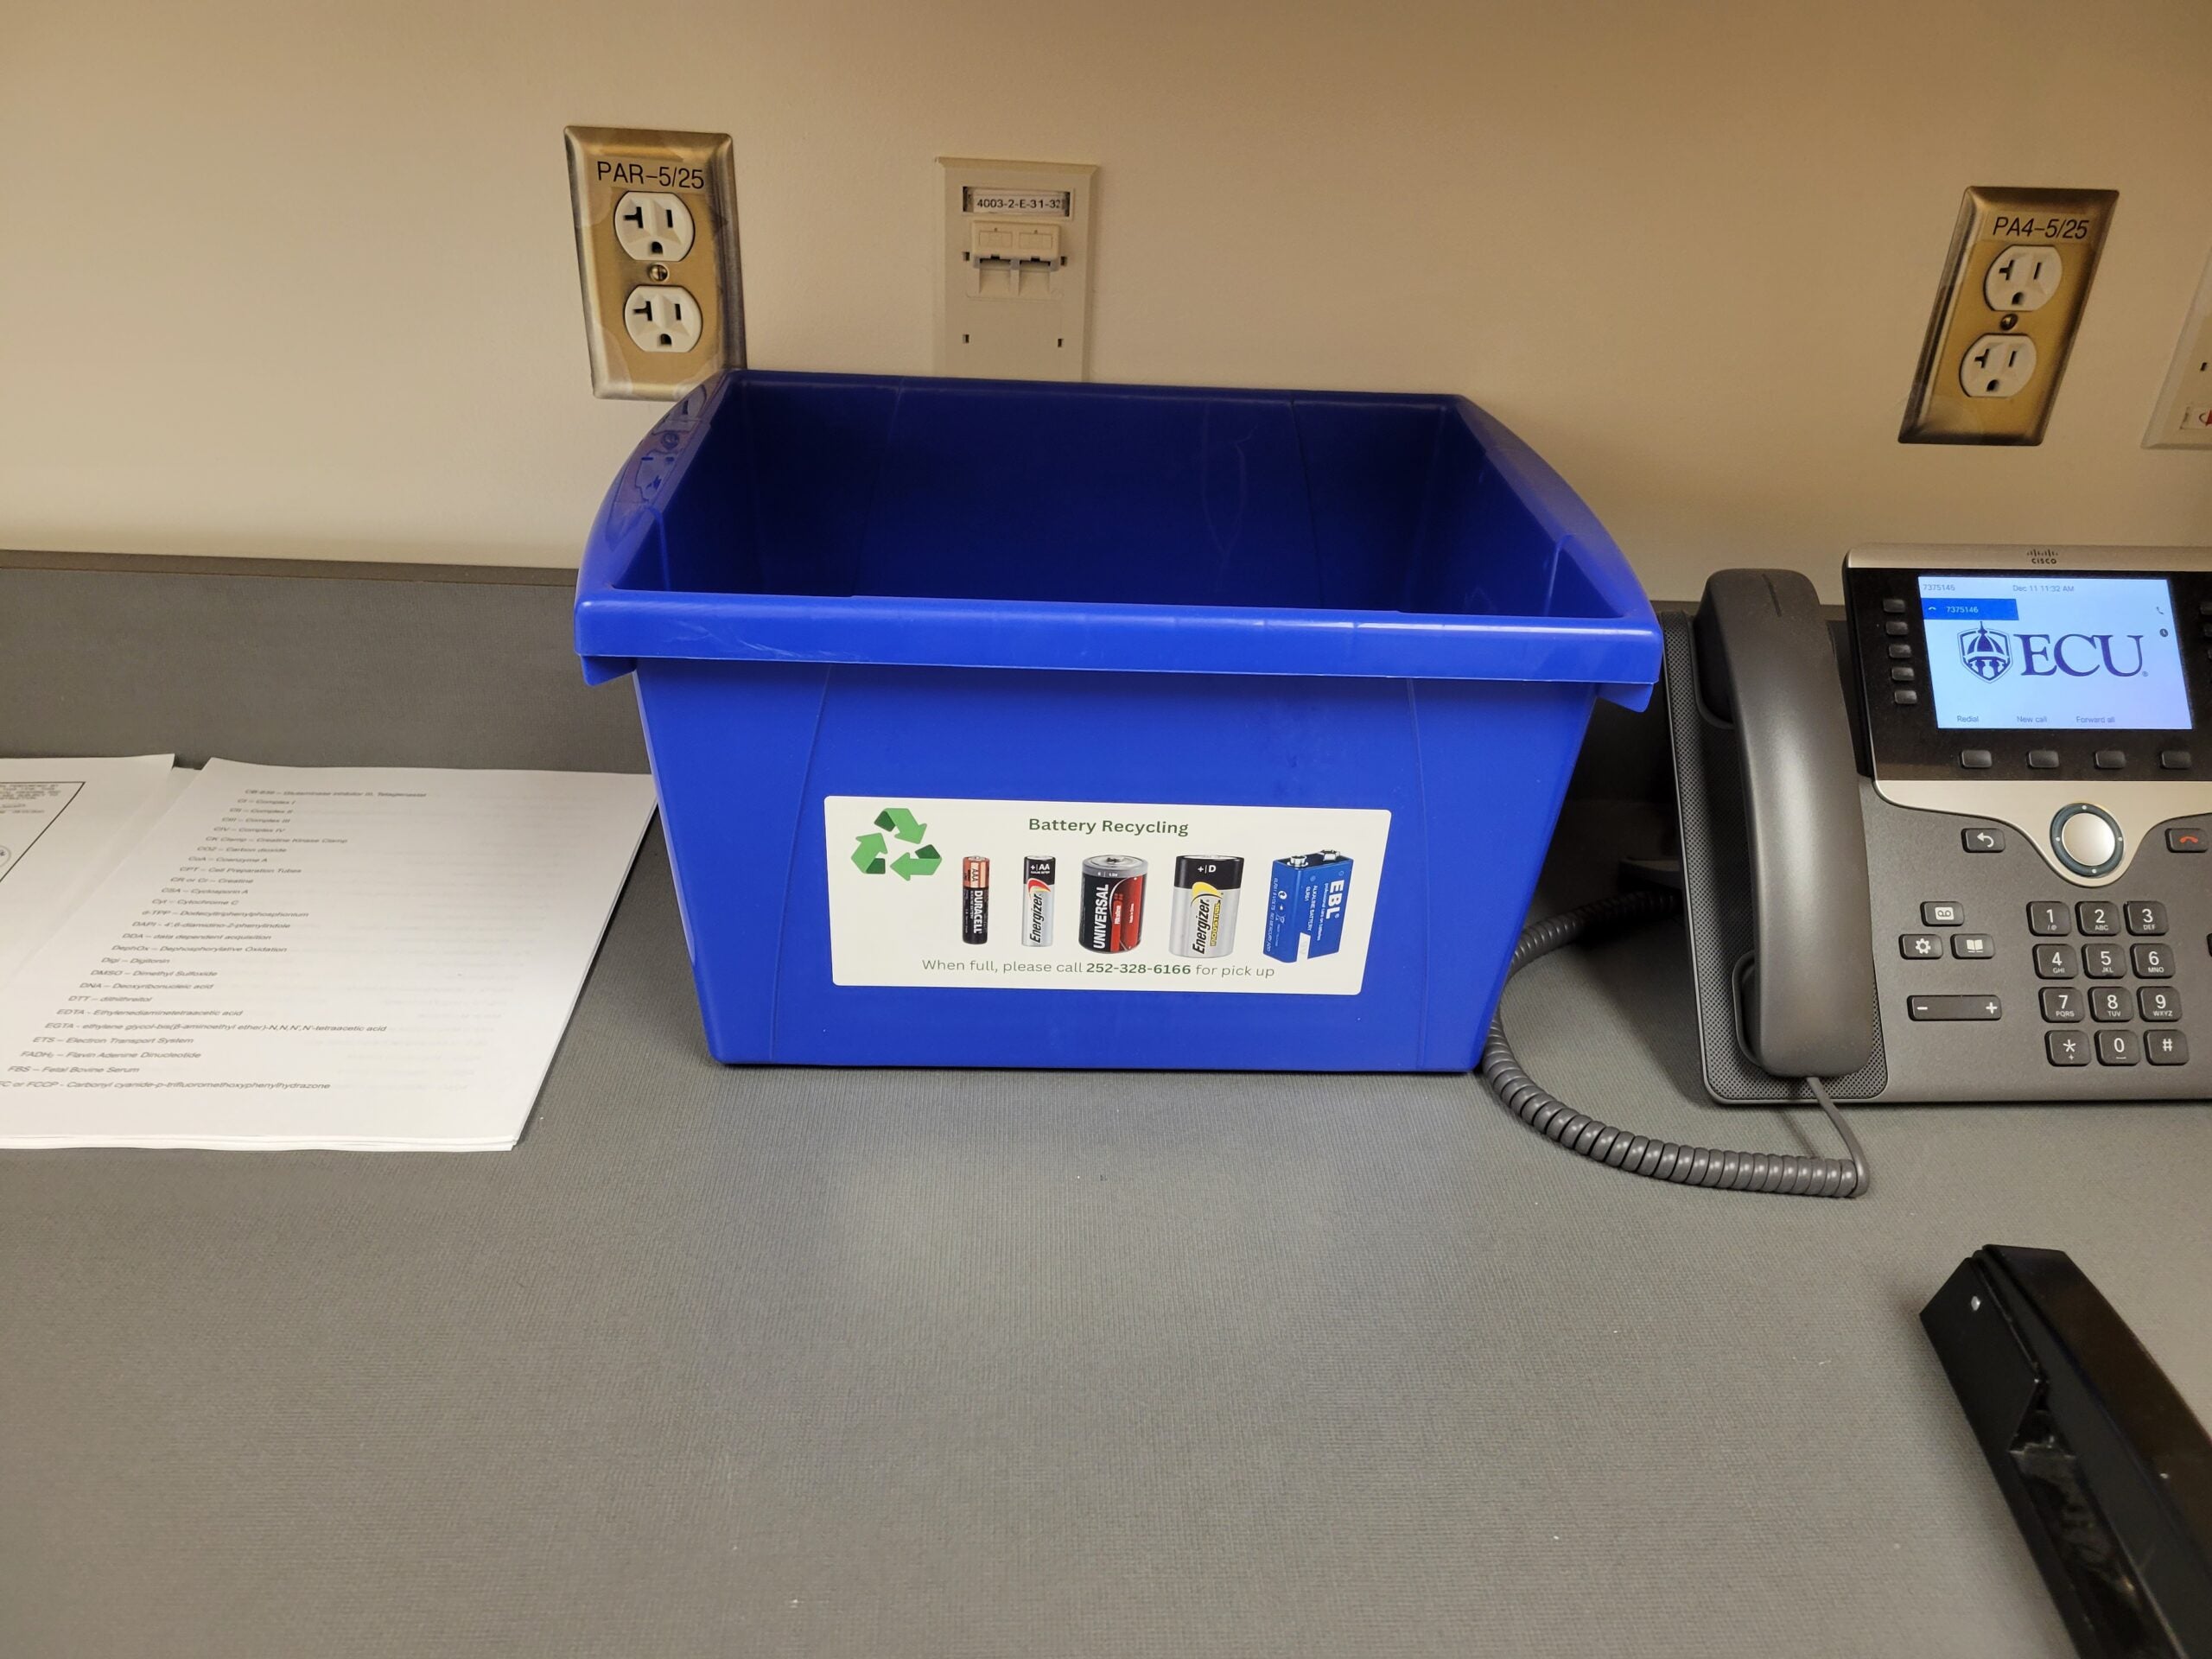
[{"x": 2107, "y": 1473}]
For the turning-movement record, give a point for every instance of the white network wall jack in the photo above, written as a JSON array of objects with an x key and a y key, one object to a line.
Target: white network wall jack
[
  {"x": 1013, "y": 278},
  {"x": 2183, "y": 419}
]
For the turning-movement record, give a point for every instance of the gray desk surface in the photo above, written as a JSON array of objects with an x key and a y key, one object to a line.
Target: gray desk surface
[{"x": 845, "y": 1363}]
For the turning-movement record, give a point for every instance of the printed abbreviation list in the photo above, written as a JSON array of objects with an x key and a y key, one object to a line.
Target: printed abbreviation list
[{"x": 322, "y": 957}]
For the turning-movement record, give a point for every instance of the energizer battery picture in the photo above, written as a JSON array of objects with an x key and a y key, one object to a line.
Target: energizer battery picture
[
  {"x": 1206, "y": 890},
  {"x": 1037, "y": 878}
]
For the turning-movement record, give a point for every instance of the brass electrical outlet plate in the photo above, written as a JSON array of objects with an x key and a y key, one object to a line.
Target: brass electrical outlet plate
[
  {"x": 680, "y": 278},
  {"x": 1974, "y": 309}
]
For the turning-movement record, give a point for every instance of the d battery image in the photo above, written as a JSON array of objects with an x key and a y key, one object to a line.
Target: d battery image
[
  {"x": 1206, "y": 891},
  {"x": 975, "y": 901},
  {"x": 1037, "y": 875},
  {"x": 1306, "y": 906},
  {"x": 1113, "y": 903}
]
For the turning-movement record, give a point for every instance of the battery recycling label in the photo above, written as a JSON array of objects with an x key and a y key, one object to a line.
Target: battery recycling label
[{"x": 1102, "y": 895}]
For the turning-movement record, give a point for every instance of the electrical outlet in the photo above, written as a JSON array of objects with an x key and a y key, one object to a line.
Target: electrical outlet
[
  {"x": 2022, "y": 279},
  {"x": 653, "y": 224},
  {"x": 656, "y": 221},
  {"x": 662, "y": 319},
  {"x": 1013, "y": 280},
  {"x": 2015, "y": 281},
  {"x": 1997, "y": 365},
  {"x": 2183, "y": 419}
]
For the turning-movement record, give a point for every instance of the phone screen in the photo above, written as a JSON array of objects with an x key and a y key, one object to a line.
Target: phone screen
[{"x": 2015, "y": 652}]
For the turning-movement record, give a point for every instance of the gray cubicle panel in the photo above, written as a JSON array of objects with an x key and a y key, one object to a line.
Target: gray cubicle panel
[
  {"x": 810, "y": 1362},
  {"x": 300, "y": 664}
]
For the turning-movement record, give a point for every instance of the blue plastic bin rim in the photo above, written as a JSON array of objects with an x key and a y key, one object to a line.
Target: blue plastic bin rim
[{"x": 618, "y": 626}]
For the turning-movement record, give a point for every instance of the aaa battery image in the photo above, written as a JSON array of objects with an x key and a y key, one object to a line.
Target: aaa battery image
[
  {"x": 1037, "y": 899},
  {"x": 1113, "y": 903},
  {"x": 1206, "y": 891},
  {"x": 974, "y": 900}
]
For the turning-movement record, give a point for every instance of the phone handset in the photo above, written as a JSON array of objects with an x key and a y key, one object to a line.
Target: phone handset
[
  {"x": 1766, "y": 671},
  {"x": 1767, "y": 667}
]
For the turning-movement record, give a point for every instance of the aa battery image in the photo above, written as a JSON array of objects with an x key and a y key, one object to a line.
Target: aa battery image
[
  {"x": 1206, "y": 891},
  {"x": 1037, "y": 899},
  {"x": 1113, "y": 903},
  {"x": 975, "y": 901}
]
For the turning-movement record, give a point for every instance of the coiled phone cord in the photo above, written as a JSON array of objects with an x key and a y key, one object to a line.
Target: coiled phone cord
[{"x": 1662, "y": 1161}]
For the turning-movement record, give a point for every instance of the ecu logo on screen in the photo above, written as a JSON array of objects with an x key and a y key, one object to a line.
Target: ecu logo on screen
[{"x": 1986, "y": 654}]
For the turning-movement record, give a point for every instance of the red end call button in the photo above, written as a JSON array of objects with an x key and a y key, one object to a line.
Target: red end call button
[{"x": 2185, "y": 838}]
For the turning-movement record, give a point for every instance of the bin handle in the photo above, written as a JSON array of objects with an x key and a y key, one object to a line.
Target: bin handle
[{"x": 629, "y": 528}]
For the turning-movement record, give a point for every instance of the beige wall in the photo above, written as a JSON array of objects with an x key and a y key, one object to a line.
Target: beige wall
[{"x": 299, "y": 279}]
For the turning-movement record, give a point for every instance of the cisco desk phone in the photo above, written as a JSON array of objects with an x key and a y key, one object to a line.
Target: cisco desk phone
[
  {"x": 1956, "y": 847},
  {"x": 1959, "y": 851}
]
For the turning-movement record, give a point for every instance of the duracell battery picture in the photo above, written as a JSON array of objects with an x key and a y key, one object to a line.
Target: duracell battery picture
[
  {"x": 1113, "y": 903},
  {"x": 975, "y": 901},
  {"x": 1206, "y": 890},
  {"x": 1037, "y": 899}
]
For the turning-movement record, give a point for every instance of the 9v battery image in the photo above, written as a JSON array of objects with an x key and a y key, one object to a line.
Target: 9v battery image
[
  {"x": 1206, "y": 891},
  {"x": 1306, "y": 906},
  {"x": 974, "y": 900}
]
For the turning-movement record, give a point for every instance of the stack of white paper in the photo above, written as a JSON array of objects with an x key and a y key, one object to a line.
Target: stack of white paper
[
  {"x": 377, "y": 958},
  {"x": 64, "y": 824}
]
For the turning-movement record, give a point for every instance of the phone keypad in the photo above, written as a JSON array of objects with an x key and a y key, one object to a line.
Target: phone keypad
[
  {"x": 2088, "y": 1024},
  {"x": 2108, "y": 1005}
]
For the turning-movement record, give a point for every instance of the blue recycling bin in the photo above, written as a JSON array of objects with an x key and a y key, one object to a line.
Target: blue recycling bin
[{"x": 1003, "y": 724}]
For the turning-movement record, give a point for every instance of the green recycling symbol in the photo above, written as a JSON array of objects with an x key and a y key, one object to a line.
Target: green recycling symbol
[{"x": 872, "y": 856}]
